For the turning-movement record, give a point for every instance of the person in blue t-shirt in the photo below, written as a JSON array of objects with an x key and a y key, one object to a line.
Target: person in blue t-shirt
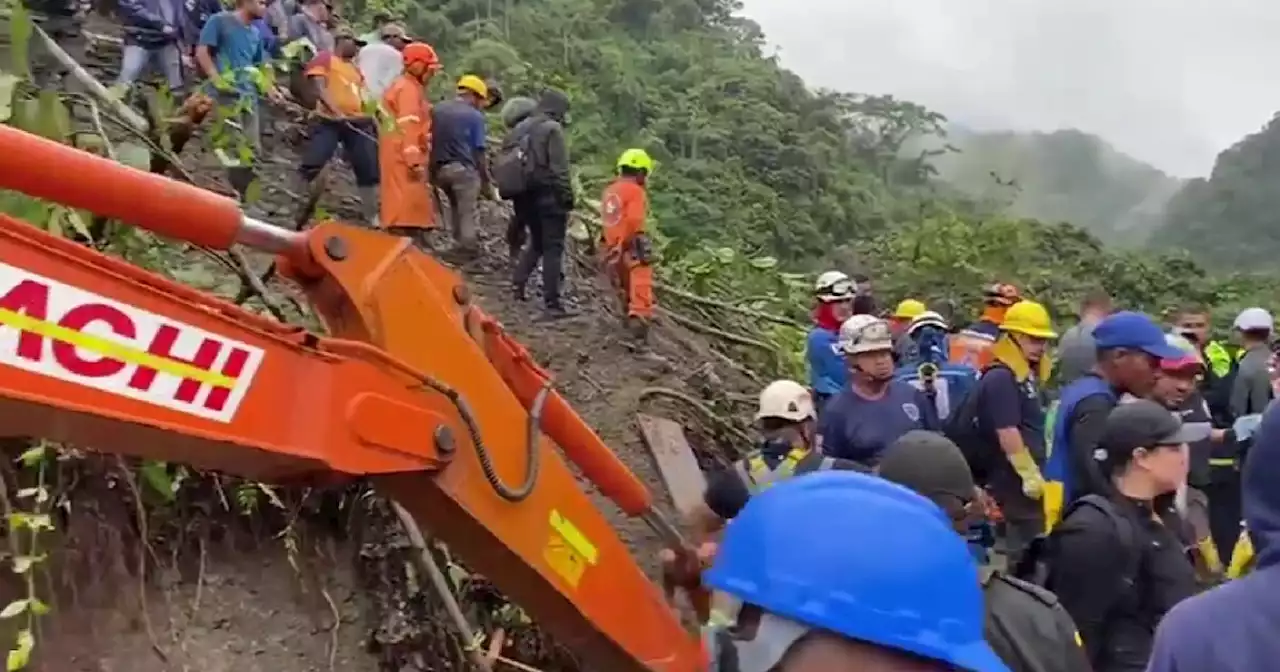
[
  {"x": 874, "y": 410},
  {"x": 458, "y": 163},
  {"x": 230, "y": 53},
  {"x": 828, "y": 374}
]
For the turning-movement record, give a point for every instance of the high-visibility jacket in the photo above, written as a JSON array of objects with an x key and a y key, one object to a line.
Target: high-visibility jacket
[
  {"x": 402, "y": 156},
  {"x": 758, "y": 476},
  {"x": 622, "y": 211}
]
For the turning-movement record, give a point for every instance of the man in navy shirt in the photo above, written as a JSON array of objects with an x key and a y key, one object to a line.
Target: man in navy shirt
[
  {"x": 458, "y": 163},
  {"x": 871, "y": 413}
]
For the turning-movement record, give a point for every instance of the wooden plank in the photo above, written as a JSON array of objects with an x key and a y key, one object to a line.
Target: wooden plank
[{"x": 676, "y": 462}]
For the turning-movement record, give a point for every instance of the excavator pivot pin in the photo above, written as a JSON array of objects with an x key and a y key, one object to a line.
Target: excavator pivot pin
[
  {"x": 336, "y": 248},
  {"x": 445, "y": 442}
]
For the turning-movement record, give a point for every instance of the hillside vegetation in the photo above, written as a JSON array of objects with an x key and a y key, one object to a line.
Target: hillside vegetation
[
  {"x": 1062, "y": 176},
  {"x": 758, "y": 173},
  {"x": 1232, "y": 218}
]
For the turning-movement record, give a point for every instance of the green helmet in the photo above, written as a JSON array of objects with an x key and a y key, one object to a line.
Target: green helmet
[{"x": 636, "y": 159}]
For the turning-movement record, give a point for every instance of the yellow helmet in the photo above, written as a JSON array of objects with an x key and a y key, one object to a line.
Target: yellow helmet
[
  {"x": 909, "y": 309},
  {"x": 474, "y": 85},
  {"x": 1030, "y": 318},
  {"x": 636, "y": 159}
]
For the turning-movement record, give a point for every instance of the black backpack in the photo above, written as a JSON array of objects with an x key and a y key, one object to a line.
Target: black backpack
[
  {"x": 1027, "y": 627},
  {"x": 513, "y": 167},
  {"x": 962, "y": 427},
  {"x": 1036, "y": 565}
]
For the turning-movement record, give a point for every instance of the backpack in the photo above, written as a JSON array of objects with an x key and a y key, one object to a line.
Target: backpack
[
  {"x": 1027, "y": 627},
  {"x": 925, "y": 367},
  {"x": 961, "y": 426},
  {"x": 1036, "y": 565},
  {"x": 513, "y": 167}
]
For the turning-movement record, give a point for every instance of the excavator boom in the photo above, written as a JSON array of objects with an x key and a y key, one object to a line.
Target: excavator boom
[{"x": 413, "y": 387}]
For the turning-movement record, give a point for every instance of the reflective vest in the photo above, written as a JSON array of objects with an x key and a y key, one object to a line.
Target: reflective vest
[
  {"x": 758, "y": 477},
  {"x": 1059, "y": 490},
  {"x": 1219, "y": 358}
]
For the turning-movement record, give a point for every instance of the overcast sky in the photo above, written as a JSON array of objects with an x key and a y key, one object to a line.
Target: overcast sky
[{"x": 1171, "y": 82}]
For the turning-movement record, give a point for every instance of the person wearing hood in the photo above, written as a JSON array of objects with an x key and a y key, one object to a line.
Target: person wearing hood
[
  {"x": 550, "y": 200},
  {"x": 458, "y": 160},
  {"x": 407, "y": 207},
  {"x": 828, "y": 374},
  {"x": 1232, "y": 628},
  {"x": 515, "y": 111}
]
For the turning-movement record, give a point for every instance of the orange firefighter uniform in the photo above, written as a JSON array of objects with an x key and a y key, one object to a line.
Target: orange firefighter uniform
[
  {"x": 630, "y": 253},
  {"x": 403, "y": 151}
]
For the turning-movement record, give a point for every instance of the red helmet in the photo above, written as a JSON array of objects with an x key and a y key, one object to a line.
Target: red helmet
[
  {"x": 421, "y": 52},
  {"x": 1001, "y": 294}
]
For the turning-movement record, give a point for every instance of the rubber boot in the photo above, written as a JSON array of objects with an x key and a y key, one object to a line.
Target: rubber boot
[
  {"x": 240, "y": 178},
  {"x": 369, "y": 205},
  {"x": 638, "y": 329}
]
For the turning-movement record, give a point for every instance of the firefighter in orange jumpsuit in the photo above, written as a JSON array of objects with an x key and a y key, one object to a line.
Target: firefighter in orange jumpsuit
[
  {"x": 629, "y": 250},
  {"x": 407, "y": 207}
]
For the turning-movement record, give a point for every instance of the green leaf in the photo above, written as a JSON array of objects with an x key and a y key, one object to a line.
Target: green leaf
[
  {"x": 8, "y": 89},
  {"x": 20, "y": 656},
  {"x": 32, "y": 456},
  {"x": 156, "y": 475},
  {"x": 14, "y": 608},
  {"x": 133, "y": 155},
  {"x": 55, "y": 118},
  {"x": 764, "y": 263},
  {"x": 20, "y": 33},
  {"x": 38, "y": 607},
  {"x": 725, "y": 255}
]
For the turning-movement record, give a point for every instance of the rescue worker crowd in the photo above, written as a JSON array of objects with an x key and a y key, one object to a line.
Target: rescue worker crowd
[
  {"x": 940, "y": 498},
  {"x": 366, "y": 95}
]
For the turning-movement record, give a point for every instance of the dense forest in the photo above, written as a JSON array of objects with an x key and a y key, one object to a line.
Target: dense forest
[
  {"x": 1231, "y": 218},
  {"x": 759, "y": 173},
  {"x": 1063, "y": 176}
]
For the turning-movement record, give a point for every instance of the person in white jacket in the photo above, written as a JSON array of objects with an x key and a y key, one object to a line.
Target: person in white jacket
[{"x": 381, "y": 62}]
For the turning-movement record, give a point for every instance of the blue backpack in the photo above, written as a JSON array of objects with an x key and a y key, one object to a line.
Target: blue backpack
[{"x": 925, "y": 367}]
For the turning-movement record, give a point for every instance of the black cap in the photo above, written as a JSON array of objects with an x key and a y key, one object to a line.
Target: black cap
[
  {"x": 929, "y": 463},
  {"x": 1142, "y": 423}
]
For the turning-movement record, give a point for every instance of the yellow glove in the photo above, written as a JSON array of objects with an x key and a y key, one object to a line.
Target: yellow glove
[{"x": 1029, "y": 472}]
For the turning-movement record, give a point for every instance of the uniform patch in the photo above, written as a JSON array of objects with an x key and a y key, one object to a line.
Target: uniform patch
[{"x": 912, "y": 411}]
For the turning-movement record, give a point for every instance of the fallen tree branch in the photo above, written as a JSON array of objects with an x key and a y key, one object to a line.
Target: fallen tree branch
[
  {"x": 91, "y": 84},
  {"x": 722, "y": 305},
  {"x": 699, "y": 406},
  {"x": 707, "y": 330}
]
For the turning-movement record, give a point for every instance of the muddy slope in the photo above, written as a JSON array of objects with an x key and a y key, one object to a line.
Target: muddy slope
[{"x": 322, "y": 581}]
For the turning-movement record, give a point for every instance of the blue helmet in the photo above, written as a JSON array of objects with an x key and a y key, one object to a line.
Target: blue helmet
[{"x": 861, "y": 557}]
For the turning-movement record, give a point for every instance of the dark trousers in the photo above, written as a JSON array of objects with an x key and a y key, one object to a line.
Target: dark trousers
[
  {"x": 359, "y": 141},
  {"x": 547, "y": 223},
  {"x": 1225, "y": 510}
]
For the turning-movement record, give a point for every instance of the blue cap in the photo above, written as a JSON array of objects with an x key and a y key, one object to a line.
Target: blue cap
[
  {"x": 858, "y": 556},
  {"x": 1134, "y": 331}
]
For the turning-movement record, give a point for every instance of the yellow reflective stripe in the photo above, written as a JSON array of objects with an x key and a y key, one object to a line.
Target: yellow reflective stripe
[
  {"x": 1222, "y": 462},
  {"x": 408, "y": 117}
]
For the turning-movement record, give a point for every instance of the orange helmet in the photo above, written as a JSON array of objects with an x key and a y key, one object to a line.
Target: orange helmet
[
  {"x": 421, "y": 52},
  {"x": 1001, "y": 294}
]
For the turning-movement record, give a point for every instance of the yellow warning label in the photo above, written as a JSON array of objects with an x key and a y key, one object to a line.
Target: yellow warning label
[{"x": 568, "y": 551}]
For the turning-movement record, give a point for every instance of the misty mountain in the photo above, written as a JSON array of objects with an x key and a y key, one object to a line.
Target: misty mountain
[
  {"x": 1064, "y": 175},
  {"x": 1232, "y": 218}
]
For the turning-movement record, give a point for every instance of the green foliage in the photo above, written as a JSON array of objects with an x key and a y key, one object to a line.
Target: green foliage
[{"x": 1229, "y": 219}]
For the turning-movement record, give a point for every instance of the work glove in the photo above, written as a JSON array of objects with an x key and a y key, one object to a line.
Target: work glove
[
  {"x": 1029, "y": 472},
  {"x": 1246, "y": 425}
]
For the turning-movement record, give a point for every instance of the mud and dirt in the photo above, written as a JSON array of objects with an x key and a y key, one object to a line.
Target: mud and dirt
[{"x": 312, "y": 581}]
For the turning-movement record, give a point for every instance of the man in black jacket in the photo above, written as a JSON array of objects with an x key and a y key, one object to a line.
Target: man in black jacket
[{"x": 550, "y": 201}]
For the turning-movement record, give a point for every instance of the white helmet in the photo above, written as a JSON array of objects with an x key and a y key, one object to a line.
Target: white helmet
[
  {"x": 864, "y": 333},
  {"x": 1252, "y": 319},
  {"x": 786, "y": 399},
  {"x": 834, "y": 286},
  {"x": 927, "y": 319}
]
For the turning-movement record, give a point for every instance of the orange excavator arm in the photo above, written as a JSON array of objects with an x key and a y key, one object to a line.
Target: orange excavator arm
[{"x": 415, "y": 388}]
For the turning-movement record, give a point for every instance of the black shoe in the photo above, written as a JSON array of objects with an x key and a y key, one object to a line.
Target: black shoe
[
  {"x": 552, "y": 314},
  {"x": 518, "y": 293}
]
